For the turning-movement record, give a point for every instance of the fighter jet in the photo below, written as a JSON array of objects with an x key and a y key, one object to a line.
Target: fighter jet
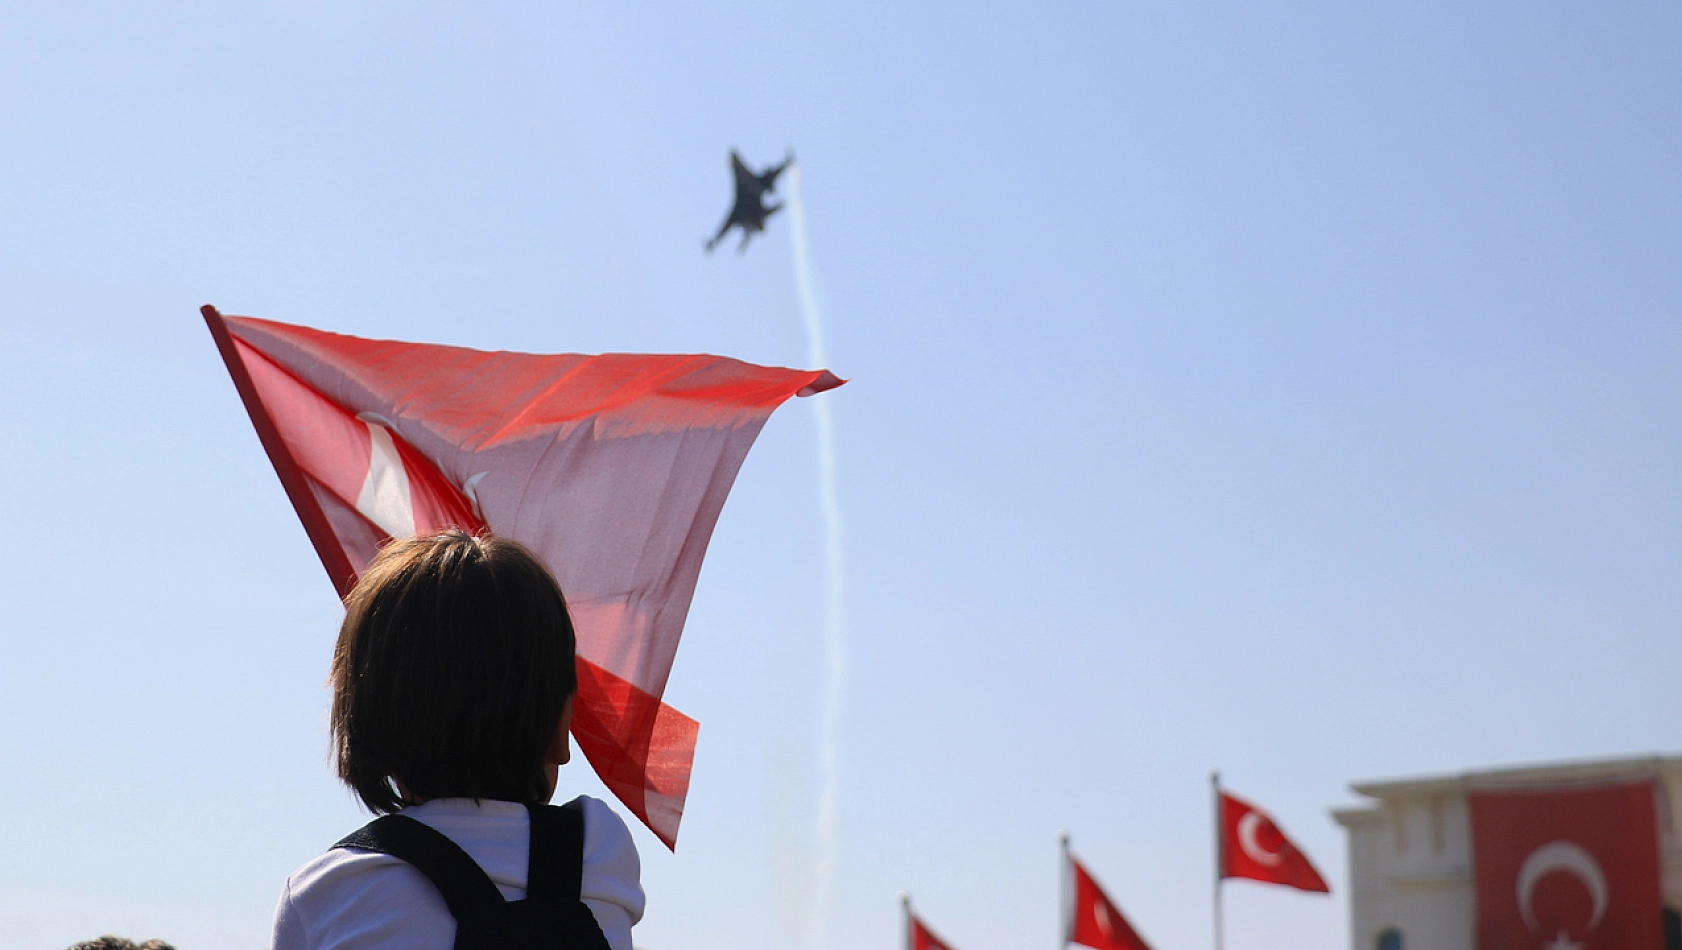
[{"x": 749, "y": 212}]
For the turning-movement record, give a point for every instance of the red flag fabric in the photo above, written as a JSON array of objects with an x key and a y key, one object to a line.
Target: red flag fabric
[
  {"x": 1094, "y": 920},
  {"x": 1567, "y": 869},
  {"x": 920, "y": 937},
  {"x": 1253, "y": 847},
  {"x": 611, "y": 468}
]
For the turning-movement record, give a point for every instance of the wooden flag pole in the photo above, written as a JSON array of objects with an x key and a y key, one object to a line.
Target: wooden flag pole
[{"x": 1220, "y": 852}]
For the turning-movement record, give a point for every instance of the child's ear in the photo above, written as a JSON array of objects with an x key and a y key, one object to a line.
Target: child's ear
[{"x": 560, "y": 746}]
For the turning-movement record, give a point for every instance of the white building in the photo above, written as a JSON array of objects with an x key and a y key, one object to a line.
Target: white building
[{"x": 1410, "y": 849}]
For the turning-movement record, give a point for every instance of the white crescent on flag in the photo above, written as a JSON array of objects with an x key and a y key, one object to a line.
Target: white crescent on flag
[
  {"x": 384, "y": 498},
  {"x": 1247, "y": 828},
  {"x": 1570, "y": 858}
]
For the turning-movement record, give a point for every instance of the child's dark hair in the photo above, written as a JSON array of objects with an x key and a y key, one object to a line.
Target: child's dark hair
[{"x": 452, "y": 668}]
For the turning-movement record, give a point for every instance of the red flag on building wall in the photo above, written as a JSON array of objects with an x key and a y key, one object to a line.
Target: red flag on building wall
[
  {"x": 1094, "y": 921},
  {"x": 1567, "y": 868},
  {"x": 611, "y": 468},
  {"x": 1253, "y": 847}
]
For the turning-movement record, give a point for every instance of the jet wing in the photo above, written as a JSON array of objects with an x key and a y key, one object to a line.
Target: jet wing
[
  {"x": 768, "y": 180},
  {"x": 746, "y": 180}
]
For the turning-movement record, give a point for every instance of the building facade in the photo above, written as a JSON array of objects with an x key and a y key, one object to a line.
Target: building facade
[{"x": 1410, "y": 848}]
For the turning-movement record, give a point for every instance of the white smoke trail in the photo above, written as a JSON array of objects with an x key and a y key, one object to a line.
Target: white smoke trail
[{"x": 829, "y": 724}]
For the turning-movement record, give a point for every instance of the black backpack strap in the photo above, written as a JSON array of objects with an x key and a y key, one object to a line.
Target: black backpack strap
[
  {"x": 555, "y": 878},
  {"x": 466, "y": 888},
  {"x": 555, "y": 871}
]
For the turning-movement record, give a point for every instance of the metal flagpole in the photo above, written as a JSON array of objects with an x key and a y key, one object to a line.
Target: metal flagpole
[
  {"x": 905, "y": 904},
  {"x": 1065, "y": 900},
  {"x": 1220, "y": 851}
]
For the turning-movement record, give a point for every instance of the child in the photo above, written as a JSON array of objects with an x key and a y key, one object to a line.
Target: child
[{"x": 452, "y": 688}]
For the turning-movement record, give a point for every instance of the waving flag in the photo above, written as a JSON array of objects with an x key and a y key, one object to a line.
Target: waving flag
[
  {"x": 611, "y": 468},
  {"x": 1093, "y": 920},
  {"x": 918, "y": 936},
  {"x": 1253, "y": 847},
  {"x": 1571, "y": 866}
]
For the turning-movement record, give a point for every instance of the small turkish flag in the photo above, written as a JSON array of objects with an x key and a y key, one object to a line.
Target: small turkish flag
[
  {"x": 1567, "y": 869},
  {"x": 612, "y": 469},
  {"x": 1253, "y": 847},
  {"x": 1095, "y": 922},
  {"x": 918, "y": 936}
]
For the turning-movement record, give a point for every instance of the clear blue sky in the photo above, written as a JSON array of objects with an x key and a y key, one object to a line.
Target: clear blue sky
[{"x": 1291, "y": 388}]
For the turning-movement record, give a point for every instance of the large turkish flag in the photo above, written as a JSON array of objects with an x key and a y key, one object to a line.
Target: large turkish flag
[
  {"x": 1567, "y": 868},
  {"x": 612, "y": 469}
]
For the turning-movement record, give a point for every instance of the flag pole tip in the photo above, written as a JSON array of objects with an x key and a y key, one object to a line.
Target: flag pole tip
[
  {"x": 905, "y": 898},
  {"x": 1063, "y": 836}
]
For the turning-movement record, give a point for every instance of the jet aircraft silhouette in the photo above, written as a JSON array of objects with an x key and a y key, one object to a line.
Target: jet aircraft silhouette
[{"x": 749, "y": 212}]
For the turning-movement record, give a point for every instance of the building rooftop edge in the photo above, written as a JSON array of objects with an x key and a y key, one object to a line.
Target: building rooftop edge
[
  {"x": 1351, "y": 815},
  {"x": 1574, "y": 770}
]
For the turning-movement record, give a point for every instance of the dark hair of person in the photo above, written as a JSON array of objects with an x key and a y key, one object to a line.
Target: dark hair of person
[
  {"x": 452, "y": 668},
  {"x": 109, "y": 942}
]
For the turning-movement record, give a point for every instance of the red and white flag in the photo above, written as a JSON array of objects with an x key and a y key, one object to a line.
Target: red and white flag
[
  {"x": 918, "y": 936},
  {"x": 1567, "y": 869},
  {"x": 1093, "y": 920},
  {"x": 1253, "y": 847},
  {"x": 611, "y": 468}
]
